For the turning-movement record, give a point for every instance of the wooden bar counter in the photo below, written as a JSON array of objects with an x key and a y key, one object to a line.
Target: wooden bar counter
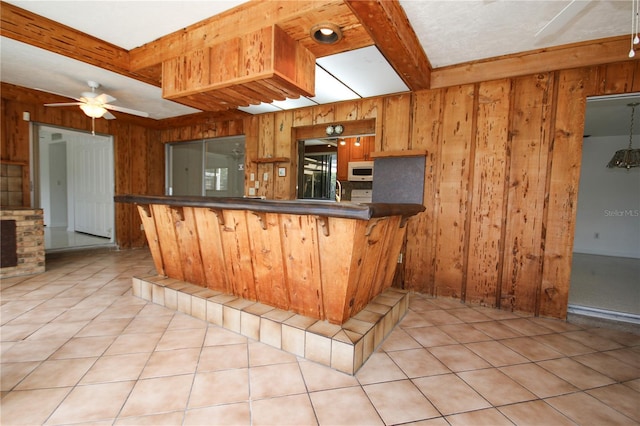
[{"x": 320, "y": 259}]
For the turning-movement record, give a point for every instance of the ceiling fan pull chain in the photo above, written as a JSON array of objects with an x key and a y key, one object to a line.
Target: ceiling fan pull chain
[{"x": 634, "y": 27}]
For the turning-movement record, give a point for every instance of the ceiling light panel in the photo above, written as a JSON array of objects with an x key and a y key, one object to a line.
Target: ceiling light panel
[
  {"x": 260, "y": 109},
  {"x": 365, "y": 71},
  {"x": 300, "y": 102},
  {"x": 329, "y": 90}
]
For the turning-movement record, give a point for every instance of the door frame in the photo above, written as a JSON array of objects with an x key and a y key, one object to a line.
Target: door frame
[{"x": 36, "y": 130}]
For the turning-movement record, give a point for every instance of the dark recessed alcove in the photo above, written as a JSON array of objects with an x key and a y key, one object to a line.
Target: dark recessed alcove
[{"x": 8, "y": 248}]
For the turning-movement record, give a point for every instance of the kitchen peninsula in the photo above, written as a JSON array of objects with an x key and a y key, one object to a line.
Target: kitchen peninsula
[
  {"x": 320, "y": 259},
  {"x": 312, "y": 278}
]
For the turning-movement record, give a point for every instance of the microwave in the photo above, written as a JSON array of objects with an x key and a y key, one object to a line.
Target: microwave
[{"x": 360, "y": 171}]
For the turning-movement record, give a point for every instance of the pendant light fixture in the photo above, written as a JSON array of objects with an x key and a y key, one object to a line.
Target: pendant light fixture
[{"x": 627, "y": 158}]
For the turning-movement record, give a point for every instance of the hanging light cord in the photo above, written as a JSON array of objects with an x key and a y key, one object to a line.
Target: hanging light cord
[{"x": 633, "y": 110}]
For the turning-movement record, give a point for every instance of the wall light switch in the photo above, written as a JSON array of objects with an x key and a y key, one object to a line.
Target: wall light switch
[{"x": 265, "y": 177}]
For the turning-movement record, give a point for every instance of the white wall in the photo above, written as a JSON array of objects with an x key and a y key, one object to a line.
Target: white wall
[
  {"x": 608, "y": 218},
  {"x": 53, "y": 180},
  {"x": 58, "y": 184}
]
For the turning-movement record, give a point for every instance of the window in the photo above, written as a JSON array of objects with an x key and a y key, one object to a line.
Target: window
[
  {"x": 216, "y": 179},
  {"x": 210, "y": 167}
]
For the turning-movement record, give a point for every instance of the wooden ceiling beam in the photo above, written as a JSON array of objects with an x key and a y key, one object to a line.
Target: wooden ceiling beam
[
  {"x": 27, "y": 27},
  {"x": 598, "y": 52},
  {"x": 202, "y": 118},
  {"x": 391, "y": 31}
]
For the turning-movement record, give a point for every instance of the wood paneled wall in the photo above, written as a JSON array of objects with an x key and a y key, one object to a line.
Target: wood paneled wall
[
  {"x": 501, "y": 186},
  {"x": 501, "y": 181}
]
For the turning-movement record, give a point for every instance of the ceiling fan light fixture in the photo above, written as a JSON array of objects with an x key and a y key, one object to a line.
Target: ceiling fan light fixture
[
  {"x": 93, "y": 111},
  {"x": 326, "y": 33}
]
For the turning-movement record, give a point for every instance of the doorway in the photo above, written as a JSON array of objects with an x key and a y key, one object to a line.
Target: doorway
[
  {"x": 318, "y": 163},
  {"x": 74, "y": 185},
  {"x": 606, "y": 260}
]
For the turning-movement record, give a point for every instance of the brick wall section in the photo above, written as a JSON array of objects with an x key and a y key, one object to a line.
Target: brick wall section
[{"x": 29, "y": 239}]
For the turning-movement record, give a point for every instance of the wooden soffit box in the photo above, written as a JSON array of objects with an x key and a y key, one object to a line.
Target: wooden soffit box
[{"x": 261, "y": 66}]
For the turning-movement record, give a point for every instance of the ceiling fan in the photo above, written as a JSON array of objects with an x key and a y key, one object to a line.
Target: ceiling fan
[{"x": 97, "y": 106}]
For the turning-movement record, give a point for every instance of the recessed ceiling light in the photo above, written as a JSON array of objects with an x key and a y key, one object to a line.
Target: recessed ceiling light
[{"x": 326, "y": 33}]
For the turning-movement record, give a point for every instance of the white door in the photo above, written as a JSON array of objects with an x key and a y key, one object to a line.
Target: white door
[{"x": 92, "y": 177}]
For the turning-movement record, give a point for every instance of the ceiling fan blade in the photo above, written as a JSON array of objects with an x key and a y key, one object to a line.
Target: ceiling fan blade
[
  {"x": 569, "y": 12},
  {"x": 109, "y": 116},
  {"x": 104, "y": 99},
  {"x": 64, "y": 104},
  {"x": 58, "y": 94},
  {"x": 126, "y": 110}
]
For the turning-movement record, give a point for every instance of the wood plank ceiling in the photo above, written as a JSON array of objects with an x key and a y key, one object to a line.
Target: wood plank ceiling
[{"x": 363, "y": 23}]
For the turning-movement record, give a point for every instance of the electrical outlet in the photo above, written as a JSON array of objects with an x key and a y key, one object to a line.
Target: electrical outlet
[
  {"x": 265, "y": 176},
  {"x": 282, "y": 171},
  {"x": 252, "y": 192},
  {"x": 257, "y": 184},
  {"x": 252, "y": 177}
]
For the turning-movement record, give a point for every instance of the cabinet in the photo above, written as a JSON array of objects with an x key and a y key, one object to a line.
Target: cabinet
[
  {"x": 343, "y": 161},
  {"x": 350, "y": 152},
  {"x": 360, "y": 153}
]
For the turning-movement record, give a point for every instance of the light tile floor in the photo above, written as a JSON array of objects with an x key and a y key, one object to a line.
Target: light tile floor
[
  {"x": 60, "y": 239},
  {"x": 606, "y": 283},
  {"x": 77, "y": 348}
]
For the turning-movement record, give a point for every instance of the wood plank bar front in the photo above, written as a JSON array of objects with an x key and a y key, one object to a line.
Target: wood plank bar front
[{"x": 319, "y": 259}]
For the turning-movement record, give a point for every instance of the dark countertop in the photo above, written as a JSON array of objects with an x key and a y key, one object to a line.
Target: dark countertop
[{"x": 304, "y": 207}]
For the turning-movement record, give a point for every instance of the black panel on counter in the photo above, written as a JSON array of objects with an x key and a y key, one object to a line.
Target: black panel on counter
[{"x": 398, "y": 180}]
